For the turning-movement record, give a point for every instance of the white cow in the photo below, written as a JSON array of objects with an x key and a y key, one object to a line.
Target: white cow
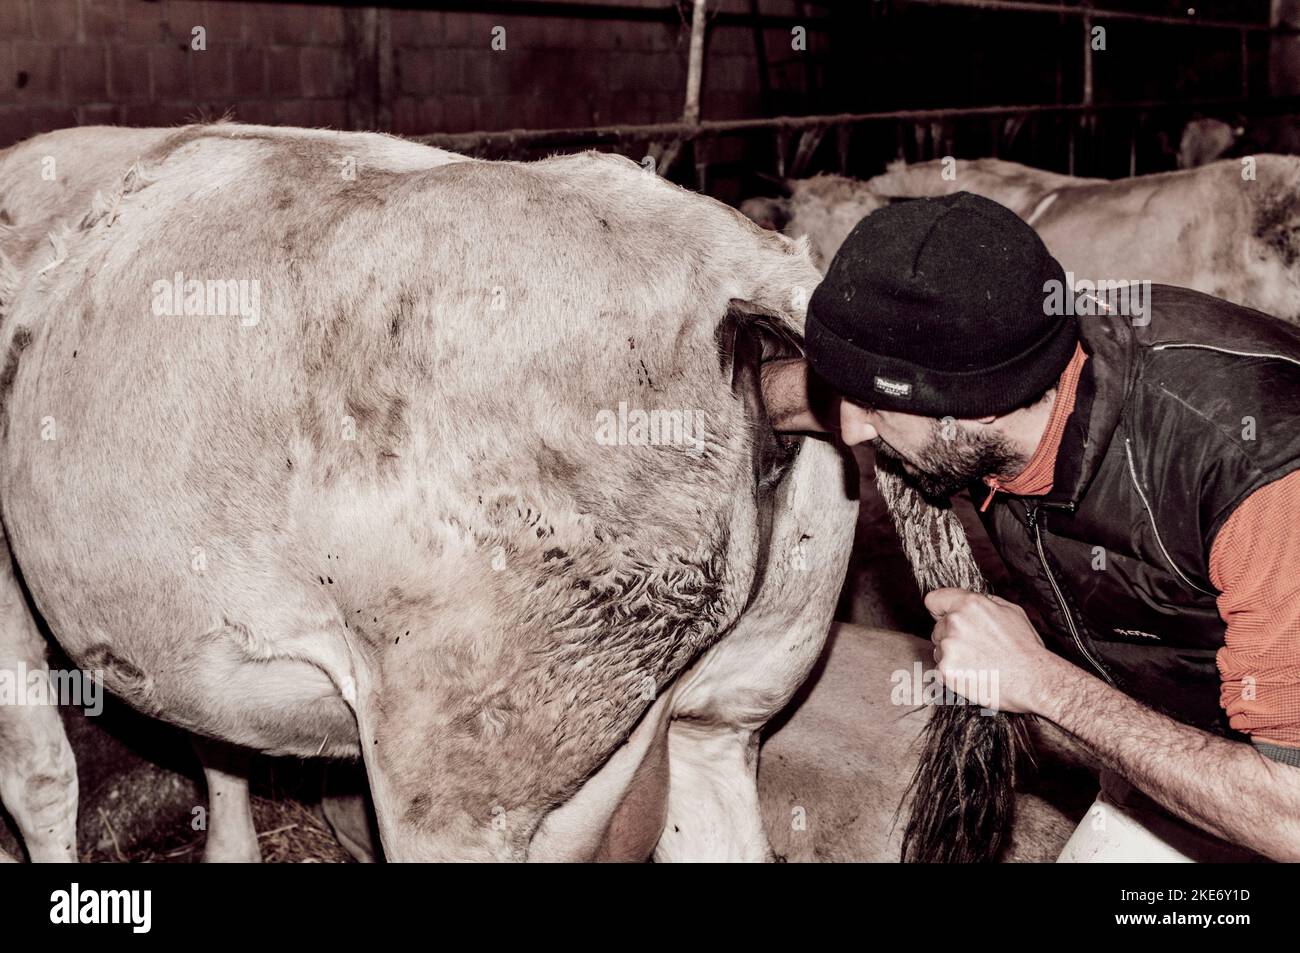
[
  {"x": 1230, "y": 229},
  {"x": 333, "y": 444}
]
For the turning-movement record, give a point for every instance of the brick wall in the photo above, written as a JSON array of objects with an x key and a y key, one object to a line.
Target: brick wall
[{"x": 69, "y": 62}]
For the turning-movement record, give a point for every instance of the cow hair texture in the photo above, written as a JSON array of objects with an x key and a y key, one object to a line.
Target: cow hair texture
[{"x": 963, "y": 791}]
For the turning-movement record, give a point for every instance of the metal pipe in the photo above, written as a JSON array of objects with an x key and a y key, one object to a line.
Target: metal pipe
[
  {"x": 579, "y": 10},
  {"x": 722, "y": 127},
  {"x": 1018, "y": 6},
  {"x": 695, "y": 65}
]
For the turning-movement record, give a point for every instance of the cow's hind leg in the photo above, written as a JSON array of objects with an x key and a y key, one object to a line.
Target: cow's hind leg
[
  {"x": 345, "y": 802},
  {"x": 232, "y": 836},
  {"x": 38, "y": 774},
  {"x": 722, "y": 703}
]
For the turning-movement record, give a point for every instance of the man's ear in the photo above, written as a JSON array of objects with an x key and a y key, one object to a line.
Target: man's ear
[{"x": 986, "y": 420}]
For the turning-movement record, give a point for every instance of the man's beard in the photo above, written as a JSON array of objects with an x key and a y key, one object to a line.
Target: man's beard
[{"x": 953, "y": 458}]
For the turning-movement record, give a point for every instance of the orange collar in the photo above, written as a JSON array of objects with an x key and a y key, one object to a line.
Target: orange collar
[{"x": 1037, "y": 476}]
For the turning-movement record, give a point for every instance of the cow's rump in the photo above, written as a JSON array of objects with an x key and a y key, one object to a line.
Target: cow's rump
[{"x": 310, "y": 433}]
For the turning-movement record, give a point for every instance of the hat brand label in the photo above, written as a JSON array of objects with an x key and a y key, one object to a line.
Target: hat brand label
[{"x": 893, "y": 388}]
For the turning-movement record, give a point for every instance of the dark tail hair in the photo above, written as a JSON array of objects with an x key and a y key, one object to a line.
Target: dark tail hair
[{"x": 963, "y": 791}]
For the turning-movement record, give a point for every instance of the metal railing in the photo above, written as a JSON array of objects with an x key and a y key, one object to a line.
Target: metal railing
[{"x": 665, "y": 141}]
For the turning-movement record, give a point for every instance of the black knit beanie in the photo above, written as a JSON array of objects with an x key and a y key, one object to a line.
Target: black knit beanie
[{"x": 939, "y": 307}]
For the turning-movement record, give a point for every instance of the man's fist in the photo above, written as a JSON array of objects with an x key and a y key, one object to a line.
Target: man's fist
[{"x": 986, "y": 647}]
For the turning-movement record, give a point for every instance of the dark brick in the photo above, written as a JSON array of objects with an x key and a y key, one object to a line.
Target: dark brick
[
  {"x": 449, "y": 71},
  {"x": 86, "y": 72},
  {"x": 473, "y": 29},
  {"x": 731, "y": 73},
  {"x": 722, "y": 105},
  {"x": 294, "y": 112},
  {"x": 522, "y": 110},
  {"x": 128, "y": 73},
  {"x": 103, "y": 114},
  {"x": 102, "y": 19},
  {"x": 7, "y": 73},
  {"x": 324, "y": 73},
  {"x": 48, "y": 118},
  {"x": 552, "y": 33},
  {"x": 210, "y": 70},
  {"x": 329, "y": 113},
  {"x": 418, "y": 71},
  {"x": 15, "y": 125},
  {"x": 255, "y": 111},
  {"x": 731, "y": 39},
  {"x": 484, "y": 71},
  {"x": 158, "y": 114},
  {"x": 419, "y": 28},
  {"x": 460, "y": 113},
  {"x": 144, "y": 22},
  {"x": 414, "y": 116},
  {"x": 328, "y": 23},
  {"x": 170, "y": 71},
  {"x": 288, "y": 24},
  {"x": 15, "y": 21},
  {"x": 224, "y": 20},
  {"x": 183, "y": 16},
  {"x": 248, "y": 71},
  {"x": 666, "y": 106},
  {"x": 284, "y": 72},
  {"x": 663, "y": 38},
  {"x": 54, "y": 19},
  {"x": 612, "y": 35},
  {"x": 36, "y": 70}
]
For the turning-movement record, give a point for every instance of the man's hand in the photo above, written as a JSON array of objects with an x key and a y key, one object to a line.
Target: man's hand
[
  {"x": 977, "y": 635},
  {"x": 796, "y": 400}
]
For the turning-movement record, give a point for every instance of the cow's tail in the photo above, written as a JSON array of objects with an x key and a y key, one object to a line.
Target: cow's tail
[{"x": 963, "y": 791}]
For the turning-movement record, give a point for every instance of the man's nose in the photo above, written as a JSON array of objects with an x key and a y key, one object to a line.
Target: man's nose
[{"x": 855, "y": 424}]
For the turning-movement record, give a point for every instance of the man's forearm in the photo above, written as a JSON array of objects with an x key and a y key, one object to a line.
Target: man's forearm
[
  {"x": 1221, "y": 786},
  {"x": 795, "y": 401}
]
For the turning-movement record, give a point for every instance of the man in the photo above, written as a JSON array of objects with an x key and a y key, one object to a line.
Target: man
[{"x": 1139, "y": 473}]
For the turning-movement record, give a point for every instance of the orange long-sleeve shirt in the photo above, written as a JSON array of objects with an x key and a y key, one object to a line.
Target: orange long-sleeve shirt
[{"x": 1255, "y": 565}]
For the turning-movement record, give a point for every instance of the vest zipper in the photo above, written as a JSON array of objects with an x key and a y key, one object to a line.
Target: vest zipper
[
  {"x": 1031, "y": 512},
  {"x": 1155, "y": 530}
]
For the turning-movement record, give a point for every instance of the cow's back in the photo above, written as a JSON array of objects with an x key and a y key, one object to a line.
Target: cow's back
[{"x": 1224, "y": 229}]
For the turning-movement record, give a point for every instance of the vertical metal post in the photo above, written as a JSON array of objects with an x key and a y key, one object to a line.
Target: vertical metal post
[
  {"x": 1133, "y": 144},
  {"x": 1085, "y": 117},
  {"x": 1245, "y": 65},
  {"x": 695, "y": 65}
]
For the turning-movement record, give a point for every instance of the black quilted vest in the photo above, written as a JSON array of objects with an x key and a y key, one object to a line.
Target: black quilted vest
[{"x": 1179, "y": 416}]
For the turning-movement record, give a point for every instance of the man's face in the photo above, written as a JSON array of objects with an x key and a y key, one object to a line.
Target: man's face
[{"x": 941, "y": 457}]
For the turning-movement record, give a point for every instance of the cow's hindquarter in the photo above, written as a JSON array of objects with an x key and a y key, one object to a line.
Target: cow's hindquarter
[
  {"x": 725, "y": 699},
  {"x": 411, "y": 515}
]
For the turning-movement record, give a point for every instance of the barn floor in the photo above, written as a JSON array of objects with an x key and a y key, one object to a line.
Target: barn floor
[{"x": 286, "y": 811}]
